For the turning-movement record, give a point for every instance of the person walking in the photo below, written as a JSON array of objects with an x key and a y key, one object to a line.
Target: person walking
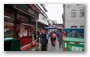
[
  {"x": 43, "y": 40},
  {"x": 47, "y": 37},
  {"x": 58, "y": 34},
  {"x": 60, "y": 39},
  {"x": 53, "y": 38}
]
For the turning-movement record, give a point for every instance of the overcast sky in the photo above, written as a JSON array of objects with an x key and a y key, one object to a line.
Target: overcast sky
[{"x": 55, "y": 12}]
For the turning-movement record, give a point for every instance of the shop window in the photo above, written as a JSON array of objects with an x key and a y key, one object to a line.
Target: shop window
[
  {"x": 23, "y": 26},
  {"x": 73, "y": 13},
  {"x": 8, "y": 23}
]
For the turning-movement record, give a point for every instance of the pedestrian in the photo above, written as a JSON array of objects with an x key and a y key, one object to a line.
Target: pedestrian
[
  {"x": 60, "y": 39},
  {"x": 53, "y": 38},
  {"x": 73, "y": 33},
  {"x": 47, "y": 37},
  {"x": 43, "y": 40},
  {"x": 58, "y": 34},
  {"x": 49, "y": 33},
  {"x": 63, "y": 33}
]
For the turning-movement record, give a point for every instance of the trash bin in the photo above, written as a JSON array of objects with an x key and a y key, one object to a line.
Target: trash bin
[
  {"x": 11, "y": 44},
  {"x": 73, "y": 44}
]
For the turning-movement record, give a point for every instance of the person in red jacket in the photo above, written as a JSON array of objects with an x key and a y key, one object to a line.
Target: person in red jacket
[{"x": 64, "y": 33}]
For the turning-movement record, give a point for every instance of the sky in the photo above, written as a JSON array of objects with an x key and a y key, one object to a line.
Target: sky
[{"x": 55, "y": 12}]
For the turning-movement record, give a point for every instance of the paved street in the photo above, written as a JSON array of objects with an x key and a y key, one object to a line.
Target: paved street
[{"x": 50, "y": 47}]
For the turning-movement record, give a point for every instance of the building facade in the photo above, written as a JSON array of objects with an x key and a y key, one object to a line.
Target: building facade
[
  {"x": 58, "y": 26},
  {"x": 73, "y": 16},
  {"x": 51, "y": 22},
  {"x": 42, "y": 21},
  {"x": 54, "y": 22}
]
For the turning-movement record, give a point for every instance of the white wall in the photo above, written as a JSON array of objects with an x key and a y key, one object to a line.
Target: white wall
[
  {"x": 42, "y": 19},
  {"x": 77, "y": 21}
]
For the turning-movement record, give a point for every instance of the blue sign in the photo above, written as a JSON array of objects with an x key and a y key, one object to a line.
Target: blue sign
[{"x": 50, "y": 27}]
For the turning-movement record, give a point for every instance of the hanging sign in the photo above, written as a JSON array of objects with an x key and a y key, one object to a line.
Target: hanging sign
[{"x": 26, "y": 9}]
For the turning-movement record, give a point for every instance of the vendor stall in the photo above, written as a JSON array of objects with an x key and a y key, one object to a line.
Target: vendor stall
[
  {"x": 18, "y": 25},
  {"x": 73, "y": 40}
]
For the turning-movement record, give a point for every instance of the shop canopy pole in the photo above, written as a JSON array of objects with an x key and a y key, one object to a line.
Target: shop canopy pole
[
  {"x": 36, "y": 28},
  {"x": 36, "y": 33}
]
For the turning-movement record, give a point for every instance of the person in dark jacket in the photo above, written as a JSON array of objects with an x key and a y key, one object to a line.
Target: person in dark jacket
[
  {"x": 47, "y": 37},
  {"x": 43, "y": 40}
]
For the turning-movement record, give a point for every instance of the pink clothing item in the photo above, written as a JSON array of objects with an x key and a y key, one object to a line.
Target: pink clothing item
[{"x": 53, "y": 35}]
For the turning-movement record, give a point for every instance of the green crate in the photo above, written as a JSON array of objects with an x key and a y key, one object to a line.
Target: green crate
[{"x": 11, "y": 44}]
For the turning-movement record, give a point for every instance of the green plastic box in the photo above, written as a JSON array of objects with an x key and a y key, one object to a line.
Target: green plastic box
[{"x": 11, "y": 44}]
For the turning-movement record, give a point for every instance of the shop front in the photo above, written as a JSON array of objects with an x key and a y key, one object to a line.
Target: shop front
[{"x": 17, "y": 22}]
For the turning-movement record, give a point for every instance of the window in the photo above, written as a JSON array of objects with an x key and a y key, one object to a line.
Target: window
[
  {"x": 73, "y": 26},
  {"x": 73, "y": 13},
  {"x": 82, "y": 13},
  {"x": 81, "y": 26}
]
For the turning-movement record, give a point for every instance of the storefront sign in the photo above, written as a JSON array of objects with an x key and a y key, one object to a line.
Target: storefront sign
[
  {"x": 75, "y": 47},
  {"x": 50, "y": 27},
  {"x": 27, "y": 9}
]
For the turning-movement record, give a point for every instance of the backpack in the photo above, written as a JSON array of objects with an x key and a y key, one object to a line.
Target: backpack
[{"x": 53, "y": 35}]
